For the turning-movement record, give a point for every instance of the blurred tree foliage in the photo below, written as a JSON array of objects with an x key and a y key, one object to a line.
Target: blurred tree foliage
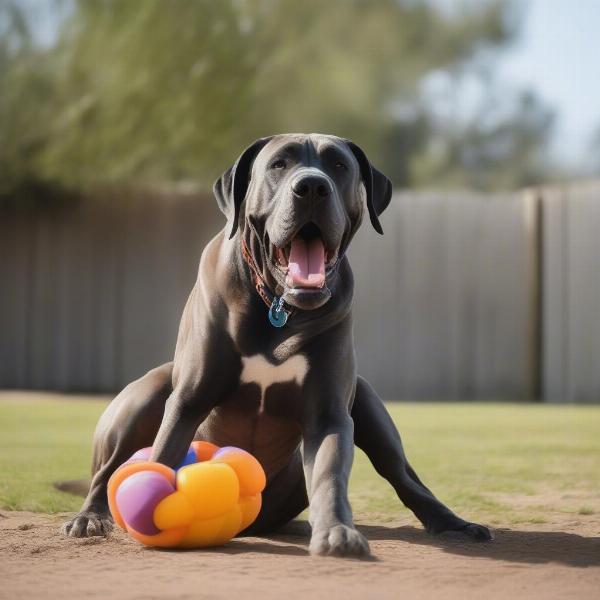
[
  {"x": 159, "y": 90},
  {"x": 502, "y": 146}
]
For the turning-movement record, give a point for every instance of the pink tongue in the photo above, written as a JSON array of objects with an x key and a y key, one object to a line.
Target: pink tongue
[{"x": 306, "y": 265}]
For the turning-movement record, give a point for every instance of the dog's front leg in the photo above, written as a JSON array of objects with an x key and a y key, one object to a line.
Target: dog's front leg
[
  {"x": 205, "y": 371},
  {"x": 183, "y": 414},
  {"x": 328, "y": 452}
]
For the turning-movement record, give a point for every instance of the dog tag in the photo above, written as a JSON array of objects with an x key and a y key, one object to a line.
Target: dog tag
[{"x": 278, "y": 316}]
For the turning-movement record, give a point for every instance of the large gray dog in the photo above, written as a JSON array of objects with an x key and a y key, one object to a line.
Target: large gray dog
[{"x": 265, "y": 355}]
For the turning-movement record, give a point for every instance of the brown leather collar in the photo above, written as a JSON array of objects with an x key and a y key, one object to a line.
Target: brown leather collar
[
  {"x": 259, "y": 283},
  {"x": 278, "y": 312}
]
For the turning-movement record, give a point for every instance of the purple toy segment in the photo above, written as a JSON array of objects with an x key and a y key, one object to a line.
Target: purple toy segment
[
  {"x": 228, "y": 450},
  {"x": 143, "y": 454},
  {"x": 137, "y": 498},
  {"x": 190, "y": 459}
]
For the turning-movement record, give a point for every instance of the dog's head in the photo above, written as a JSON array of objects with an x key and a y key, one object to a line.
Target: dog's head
[{"x": 302, "y": 198}]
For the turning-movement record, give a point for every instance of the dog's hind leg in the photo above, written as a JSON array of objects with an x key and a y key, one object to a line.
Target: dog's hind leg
[
  {"x": 283, "y": 499},
  {"x": 375, "y": 433},
  {"x": 130, "y": 422}
]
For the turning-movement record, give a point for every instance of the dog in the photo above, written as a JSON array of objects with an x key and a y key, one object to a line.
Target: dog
[{"x": 265, "y": 354}]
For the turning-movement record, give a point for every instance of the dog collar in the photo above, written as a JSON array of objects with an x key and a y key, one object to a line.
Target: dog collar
[{"x": 278, "y": 313}]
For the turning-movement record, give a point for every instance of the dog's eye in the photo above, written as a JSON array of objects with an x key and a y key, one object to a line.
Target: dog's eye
[
  {"x": 278, "y": 164},
  {"x": 341, "y": 165}
]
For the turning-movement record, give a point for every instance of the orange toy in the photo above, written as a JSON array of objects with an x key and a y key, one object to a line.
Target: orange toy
[{"x": 208, "y": 499}]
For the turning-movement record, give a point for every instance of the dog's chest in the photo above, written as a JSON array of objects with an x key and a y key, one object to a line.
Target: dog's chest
[
  {"x": 262, "y": 415},
  {"x": 268, "y": 377}
]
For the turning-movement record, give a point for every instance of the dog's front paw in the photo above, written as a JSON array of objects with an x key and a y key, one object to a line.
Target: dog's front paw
[
  {"x": 339, "y": 540},
  {"x": 87, "y": 524}
]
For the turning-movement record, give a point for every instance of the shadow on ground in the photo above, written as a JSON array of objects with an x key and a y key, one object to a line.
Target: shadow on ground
[{"x": 534, "y": 547}]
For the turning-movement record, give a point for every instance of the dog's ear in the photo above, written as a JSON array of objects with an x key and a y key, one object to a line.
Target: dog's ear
[
  {"x": 377, "y": 186},
  {"x": 230, "y": 189}
]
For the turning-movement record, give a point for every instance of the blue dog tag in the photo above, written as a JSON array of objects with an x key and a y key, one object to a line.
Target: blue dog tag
[{"x": 278, "y": 316}]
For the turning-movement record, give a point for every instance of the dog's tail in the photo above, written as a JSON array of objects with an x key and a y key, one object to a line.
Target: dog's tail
[{"x": 78, "y": 487}]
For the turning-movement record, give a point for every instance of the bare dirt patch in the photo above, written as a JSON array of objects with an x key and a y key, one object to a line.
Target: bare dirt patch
[{"x": 555, "y": 560}]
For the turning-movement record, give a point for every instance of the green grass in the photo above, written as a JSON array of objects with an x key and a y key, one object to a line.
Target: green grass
[
  {"x": 499, "y": 463},
  {"x": 41, "y": 441}
]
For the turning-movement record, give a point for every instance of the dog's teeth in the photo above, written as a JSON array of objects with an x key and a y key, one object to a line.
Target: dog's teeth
[{"x": 281, "y": 259}]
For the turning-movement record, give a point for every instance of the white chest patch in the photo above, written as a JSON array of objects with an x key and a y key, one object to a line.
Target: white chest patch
[{"x": 257, "y": 369}]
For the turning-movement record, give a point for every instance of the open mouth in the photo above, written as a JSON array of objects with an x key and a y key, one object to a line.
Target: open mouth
[{"x": 304, "y": 259}]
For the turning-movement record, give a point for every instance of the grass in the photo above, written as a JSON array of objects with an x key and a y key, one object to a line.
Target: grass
[
  {"x": 498, "y": 463},
  {"x": 44, "y": 439}
]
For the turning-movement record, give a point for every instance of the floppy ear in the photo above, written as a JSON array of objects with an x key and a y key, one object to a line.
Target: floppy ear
[
  {"x": 377, "y": 186},
  {"x": 230, "y": 189}
]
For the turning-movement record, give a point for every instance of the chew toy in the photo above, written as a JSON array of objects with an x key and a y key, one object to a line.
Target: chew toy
[{"x": 212, "y": 495}]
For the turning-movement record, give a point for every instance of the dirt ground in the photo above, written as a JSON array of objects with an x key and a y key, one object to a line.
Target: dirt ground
[{"x": 561, "y": 560}]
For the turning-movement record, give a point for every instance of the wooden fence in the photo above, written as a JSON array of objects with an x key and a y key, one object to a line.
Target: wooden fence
[
  {"x": 92, "y": 295},
  {"x": 465, "y": 296},
  {"x": 571, "y": 300},
  {"x": 444, "y": 299}
]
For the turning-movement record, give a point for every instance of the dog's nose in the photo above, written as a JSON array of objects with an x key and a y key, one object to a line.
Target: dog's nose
[{"x": 311, "y": 186}]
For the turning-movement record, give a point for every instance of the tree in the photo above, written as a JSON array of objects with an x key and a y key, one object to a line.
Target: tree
[
  {"x": 502, "y": 146},
  {"x": 173, "y": 89},
  {"x": 25, "y": 81}
]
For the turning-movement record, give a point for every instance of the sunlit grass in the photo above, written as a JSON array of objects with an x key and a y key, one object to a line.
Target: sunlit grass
[
  {"x": 498, "y": 463},
  {"x": 41, "y": 441}
]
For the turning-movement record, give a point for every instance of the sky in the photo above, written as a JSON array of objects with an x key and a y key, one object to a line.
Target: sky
[{"x": 558, "y": 55}]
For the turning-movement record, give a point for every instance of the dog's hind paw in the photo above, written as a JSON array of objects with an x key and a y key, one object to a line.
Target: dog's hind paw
[
  {"x": 478, "y": 533},
  {"x": 88, "y": 524}
]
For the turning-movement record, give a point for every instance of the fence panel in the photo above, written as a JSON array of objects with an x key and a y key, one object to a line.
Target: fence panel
[
  {"x": 571, "y": 308},
  {"x": 443, "y": 300},
  {"x": 446, "y": 303},
  {"x": 16, "y": 247}
]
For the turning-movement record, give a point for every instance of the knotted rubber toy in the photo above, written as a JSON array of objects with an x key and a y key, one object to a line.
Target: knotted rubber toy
[{"x": 205, "y": 501}]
